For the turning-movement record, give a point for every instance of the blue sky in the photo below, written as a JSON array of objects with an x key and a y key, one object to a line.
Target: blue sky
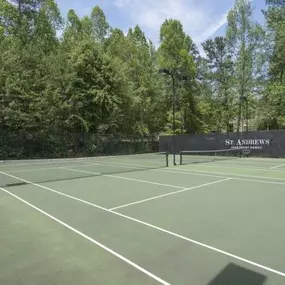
[{"x": 201, "y": 18}]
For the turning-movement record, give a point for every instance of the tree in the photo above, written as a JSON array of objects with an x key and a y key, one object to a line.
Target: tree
[
  {"x": 73, "y": 29},
  {"x": 275, "y": 18},
  {"x": 98, "y": 79},
  {"x": 100, "y": 27},
  {"x": 174, "y": 56},
  {"x": 245, "y": 39},
  {"x": 220, "y": 77},
  {"x": 31, "y": 36},
  {"x": 273, "y": 98}
]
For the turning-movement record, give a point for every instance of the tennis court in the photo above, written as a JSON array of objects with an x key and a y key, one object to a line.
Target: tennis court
[{"x": 132, "y": 220}]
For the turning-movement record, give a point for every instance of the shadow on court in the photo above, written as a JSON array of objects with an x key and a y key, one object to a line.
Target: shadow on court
[{"x": 234, "y": 274}]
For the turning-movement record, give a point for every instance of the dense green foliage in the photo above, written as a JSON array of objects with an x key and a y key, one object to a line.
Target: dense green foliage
[{"x": 95, "y": 79}]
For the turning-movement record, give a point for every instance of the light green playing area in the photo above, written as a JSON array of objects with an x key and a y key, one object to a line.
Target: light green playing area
[{"x": 131, "y": 220}]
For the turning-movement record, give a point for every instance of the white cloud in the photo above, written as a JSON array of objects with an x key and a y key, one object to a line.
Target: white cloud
[{"x": 200, "y": 18}]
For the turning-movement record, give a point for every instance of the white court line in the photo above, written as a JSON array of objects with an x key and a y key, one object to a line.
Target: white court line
[
  {"x": 126, "y": 260},
  {"x": 205, "y": 173},
  {"x": 229, "y": 174},
  {"x": 201, "y": 173},
  {"x": 80, "y": 171},
  {"x": 234, "y": 167},
  {"x": 169, "y": 194},
  {"x": 271, "y": 169},
  {"x": 132, "y": 165},
  {"x": 155, "y": 227},
  {"x": 141, "y": 168},
  {"x": 243, "y": 161},
  {"x": 259, "y": 181},
  {"x": 122, "y": 164},
  {"x": 266, "y": 159},
  {"x": 145, "y": 181},
  {"x": 45, "y": 168},
  {"x": 277, "y": 166},
  {"x": 43, "y": 162},
  {"x": 111, "y": 164},
  {"x": 32, "y": 170},
  {"x": 127, "y": 178},
  {"x": 24, "y": 162},
  {"x": 63, "y": 167},
  {"x": 187, "y": 172}
]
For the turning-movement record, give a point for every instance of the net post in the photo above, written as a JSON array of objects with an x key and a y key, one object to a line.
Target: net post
[
  {"x": 167, "y": 156},
  {"x": 180, "y": 154}
]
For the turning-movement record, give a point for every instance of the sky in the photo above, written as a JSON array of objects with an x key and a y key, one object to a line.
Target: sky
[{"x": 201, "y": 19}]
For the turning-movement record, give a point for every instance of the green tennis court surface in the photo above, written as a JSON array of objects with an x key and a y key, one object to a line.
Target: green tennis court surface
[{"x": 131, "y": 220}]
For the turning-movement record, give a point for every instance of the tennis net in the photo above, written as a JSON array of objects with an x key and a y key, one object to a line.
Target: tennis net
[
  {"x": 202, "y": 156},
  {"x": 13, "y": 173}
]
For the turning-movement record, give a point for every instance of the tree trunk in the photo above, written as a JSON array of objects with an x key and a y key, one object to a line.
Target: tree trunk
[{"x": 239, "y": 118}]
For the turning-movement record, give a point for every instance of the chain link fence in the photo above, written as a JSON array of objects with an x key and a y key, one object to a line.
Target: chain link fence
[{"x": 23, "y": 145}]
